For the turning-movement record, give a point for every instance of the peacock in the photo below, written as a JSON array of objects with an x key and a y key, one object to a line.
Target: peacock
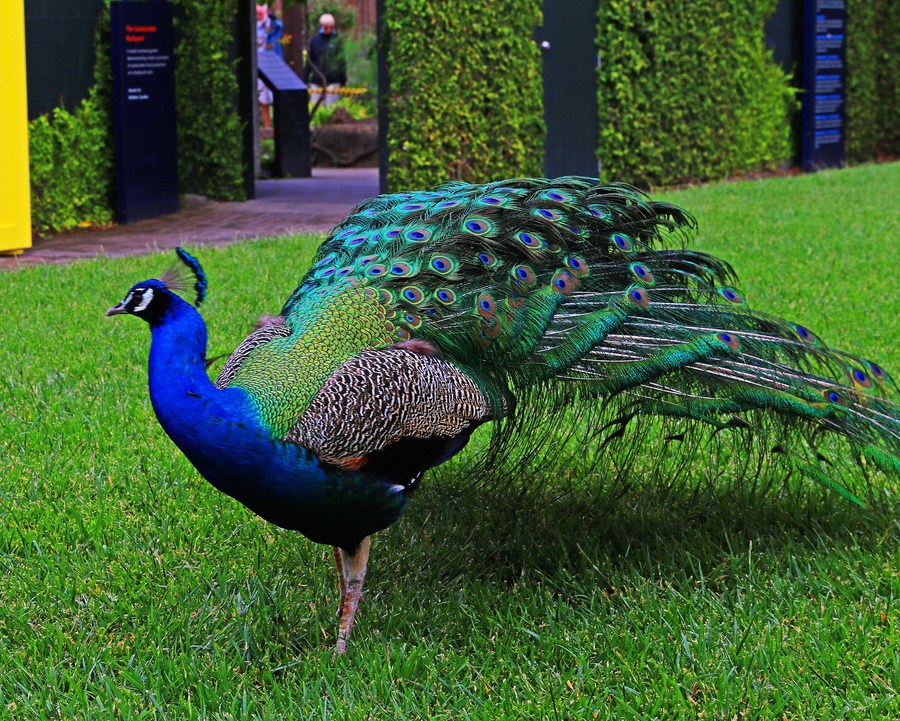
[{"x": 425, "y": 315}]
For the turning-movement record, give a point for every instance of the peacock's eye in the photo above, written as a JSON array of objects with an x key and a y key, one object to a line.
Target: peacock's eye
[{"x": 143, "y": 296}]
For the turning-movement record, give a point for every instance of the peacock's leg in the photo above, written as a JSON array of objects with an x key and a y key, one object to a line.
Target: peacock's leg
[
  {"x": 342, "y": 582},
  {"x": 353, "y": 572}
]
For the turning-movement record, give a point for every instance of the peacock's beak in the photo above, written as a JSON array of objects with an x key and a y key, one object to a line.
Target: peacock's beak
[{"x": 117, "y": 309}]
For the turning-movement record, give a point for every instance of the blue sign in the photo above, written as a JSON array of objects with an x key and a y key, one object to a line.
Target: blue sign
[
  {"x": 824, "y": 84},
  {"x": 144, "y": 109}
]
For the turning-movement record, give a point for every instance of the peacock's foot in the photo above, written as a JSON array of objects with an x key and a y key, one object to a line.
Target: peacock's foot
[{"x": 353, "y": 573}]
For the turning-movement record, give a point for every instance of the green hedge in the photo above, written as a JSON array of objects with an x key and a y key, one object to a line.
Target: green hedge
[
  {"x": 209, "y": 127},
  {"x": 465, "y": 98},
  {"x": 873, "y": 90},
  {"x": 688, "y": 91},
  {"x": 72, "y": 154}
]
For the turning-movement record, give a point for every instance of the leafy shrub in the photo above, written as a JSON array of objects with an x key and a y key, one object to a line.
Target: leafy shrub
[
  {"x": 688, "y": 91},
  {"x": 72, "y": 174},
  {"x": 209, "y": 127},
  {"x": 465, "y": 97},
  {"x": 873, "y": 88}
]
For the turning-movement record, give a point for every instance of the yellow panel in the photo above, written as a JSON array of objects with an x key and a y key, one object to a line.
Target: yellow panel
[{"x": 15, "y": 200}]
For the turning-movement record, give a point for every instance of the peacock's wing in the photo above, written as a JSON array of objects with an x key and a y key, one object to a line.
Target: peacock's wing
[
  {"x": 557, "y": 293},
  {"x": 400, "y": 408}
]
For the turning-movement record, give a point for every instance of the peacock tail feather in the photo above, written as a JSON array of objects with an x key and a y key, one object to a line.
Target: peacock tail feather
[{"x": 556, "y": 294}]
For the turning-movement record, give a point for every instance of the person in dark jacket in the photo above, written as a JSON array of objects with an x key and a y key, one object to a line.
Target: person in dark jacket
[{"x": 326, "y": 67}]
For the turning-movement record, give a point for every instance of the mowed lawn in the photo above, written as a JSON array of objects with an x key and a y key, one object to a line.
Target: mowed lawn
[{"x": 130, "y": 588}]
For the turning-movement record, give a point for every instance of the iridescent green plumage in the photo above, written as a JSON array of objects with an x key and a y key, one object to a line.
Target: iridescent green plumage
[{"x": 551, "y": 293}]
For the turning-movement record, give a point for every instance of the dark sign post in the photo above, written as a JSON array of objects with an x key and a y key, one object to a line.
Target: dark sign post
[
  {"x": 144, "y": 109},
  {"x": 291, "y": 124},
  {"x": 824, "y": 83}
]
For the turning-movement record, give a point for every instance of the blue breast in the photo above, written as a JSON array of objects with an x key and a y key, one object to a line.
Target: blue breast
[{"x": 221, "y": 433}]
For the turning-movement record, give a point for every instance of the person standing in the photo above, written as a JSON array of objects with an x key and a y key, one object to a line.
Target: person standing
[
  {"x": 326, "y": 67},
  {"x": 269, "y": 32}
]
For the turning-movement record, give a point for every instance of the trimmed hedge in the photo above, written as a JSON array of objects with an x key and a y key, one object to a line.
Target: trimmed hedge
[
  {"x": 873, "y": 88},
  {"x": 465, "y": 97},
  {"x": 688, "y": 91},
  {"x": 206, "y": 87}
]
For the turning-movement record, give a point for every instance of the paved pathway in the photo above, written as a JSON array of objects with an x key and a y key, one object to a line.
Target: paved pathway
[{"x": 281, "y": 206}]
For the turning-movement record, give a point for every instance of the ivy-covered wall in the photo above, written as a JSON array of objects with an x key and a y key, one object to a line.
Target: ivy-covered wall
[
  {"x": 873, "y": 82},
  {"x": 465, "y": 95},
  {"x": 72, "y": 153},
  {"x": 688, "y": 91}
]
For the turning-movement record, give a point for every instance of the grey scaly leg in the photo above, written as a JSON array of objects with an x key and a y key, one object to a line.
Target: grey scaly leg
[{"x": 353, "y": 572}]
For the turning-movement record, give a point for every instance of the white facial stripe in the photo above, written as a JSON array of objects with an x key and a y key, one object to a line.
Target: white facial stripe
[
  {"x": 145, "y": 301},
  {"x": 127, "y": 299}
]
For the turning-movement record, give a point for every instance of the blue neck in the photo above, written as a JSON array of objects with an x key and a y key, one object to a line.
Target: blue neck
[
  {"x": 221, "y": 433},
  {"x": 219, "y": 430}
]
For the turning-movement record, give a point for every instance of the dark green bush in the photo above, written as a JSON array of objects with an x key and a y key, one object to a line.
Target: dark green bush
[
  {"x": 688, "y": 91},
  {"x": 873, "y": 90},
  {"x": 72, "y": 155},
  {"x": 465, "y": 96},
  {"x": 209, "y": 128},
  {"x": 72, "y": 174}
]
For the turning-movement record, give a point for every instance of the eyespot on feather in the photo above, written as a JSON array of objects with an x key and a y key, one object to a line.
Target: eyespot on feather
[
  {"x": 529, "y": 240},
  {"x": 860, "y": 378},
  {"x": 442, "y": 264},
  {"x": 485, "y": 306},
  {"x": 476, "y": 226},
  {"x": 330, "y": 258},
  {"x": 400, "y": 269},
  {"x": 557, "y": 196},
  {"x": 578, "y": 266},
  {"x": 642, "y": 273},
  {"x": 547, "y": 214},
  {"x": 732, "y": 295},
  {"x": 445, "y": 296},
  {"x": 729, "y": 341},
  {"x": 804, "y": 334},
  {"x": 413, "y": 320},
  {"x": 488, "y": 260},
  {"x": 417, "y": 235},
  {"x": 638, "y": 296},
  {"x": 621, "y": 241},
  {"x": 564, "y": 282},
  {"x": 524, "y": 276},
  {"x": 490, "y": 327},
  {"x": 879, "y": 374},
  {"x": 412, "y": 294},
  {"x": 833, "y": 395}
]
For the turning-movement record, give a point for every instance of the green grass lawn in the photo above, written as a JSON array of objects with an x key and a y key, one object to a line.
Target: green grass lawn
[{"x": 130, "y": 588}]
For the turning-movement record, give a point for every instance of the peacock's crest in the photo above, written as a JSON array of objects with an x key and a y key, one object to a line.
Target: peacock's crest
[{"x": 185, "y": 276}]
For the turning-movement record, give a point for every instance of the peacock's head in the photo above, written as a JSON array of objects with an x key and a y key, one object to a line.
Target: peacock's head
[{"x": 150, "y": 299}]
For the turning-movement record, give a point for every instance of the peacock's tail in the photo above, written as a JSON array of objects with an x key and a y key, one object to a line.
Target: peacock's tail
[{"x": 564, "y": 296}]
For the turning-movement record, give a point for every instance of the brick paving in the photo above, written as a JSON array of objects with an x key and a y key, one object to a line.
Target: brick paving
[{"x": 281, "y": 206}]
